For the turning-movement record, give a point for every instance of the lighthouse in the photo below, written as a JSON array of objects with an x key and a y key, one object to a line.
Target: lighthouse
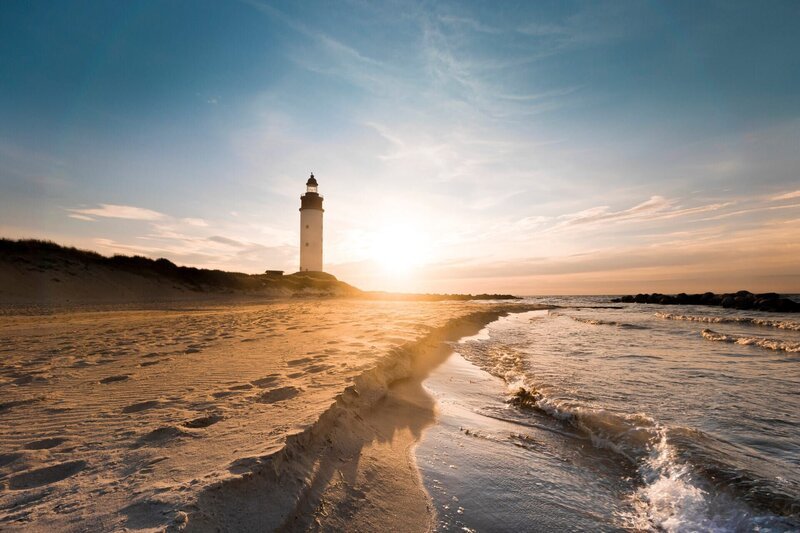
[{"x": 311, "y": 228}]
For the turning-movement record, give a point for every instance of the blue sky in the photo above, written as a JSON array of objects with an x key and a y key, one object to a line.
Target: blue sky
[{"x": 533, "y": 147}]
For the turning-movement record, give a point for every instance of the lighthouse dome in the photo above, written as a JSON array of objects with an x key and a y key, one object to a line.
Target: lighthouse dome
[{"x": 312, "y": 181}]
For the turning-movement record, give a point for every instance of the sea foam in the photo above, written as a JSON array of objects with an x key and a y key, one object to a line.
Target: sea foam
[
  {"x": 763, "y": 322},
  {"x": 769, "y": 344}
]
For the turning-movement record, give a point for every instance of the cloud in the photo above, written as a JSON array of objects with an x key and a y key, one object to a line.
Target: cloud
[
  {"x": 469, "y": 23},
  {"x": 656, "y": 208},
  {"x": 118, "y": 211},
  {"x": 227, "y": 241},
  {"x": 786, "y": 196},
  {"x": 603, "y": 213},
  {"x": 751, "y": 210},
  {"x": 81, "y": 217},
  {"x": 686, "y": 259}
]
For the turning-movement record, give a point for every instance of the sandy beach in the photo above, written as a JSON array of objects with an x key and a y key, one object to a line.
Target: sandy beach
[
  {"x": 291, "y": 415},
  {"x": 449, "y": 267}
]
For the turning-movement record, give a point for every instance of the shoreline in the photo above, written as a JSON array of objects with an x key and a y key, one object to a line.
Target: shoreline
[
  {"x": 355, "y": 466},
  {"x": 222, "y": 418},
  {"x": 489, "y": 466}
]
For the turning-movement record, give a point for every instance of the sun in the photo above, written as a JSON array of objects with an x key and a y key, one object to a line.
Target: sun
[{"x": 399, "y": 249}]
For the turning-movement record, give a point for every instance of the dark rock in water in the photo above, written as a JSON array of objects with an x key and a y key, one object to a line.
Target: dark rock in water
[
  {"x": 525, "y": 399},
  {"x": 782, "y": 305},
  {"x": 741, "y": 302},
  {"x": 768, "y": 301}
]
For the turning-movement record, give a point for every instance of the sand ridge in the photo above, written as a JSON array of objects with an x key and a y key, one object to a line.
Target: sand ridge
[{"x": 120, "y": 419}]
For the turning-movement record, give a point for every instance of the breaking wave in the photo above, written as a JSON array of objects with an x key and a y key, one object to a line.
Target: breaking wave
[
  {"x": 598, "y": 322},
  {"x": 687, "y": 480},
  {"x": 763, "y": 322},
  {"x": 769, "y": 344},
  {"x": 676, "y": 467}
]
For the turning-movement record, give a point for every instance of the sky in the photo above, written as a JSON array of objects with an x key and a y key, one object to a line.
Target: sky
[{"x": 524, "y": 147}]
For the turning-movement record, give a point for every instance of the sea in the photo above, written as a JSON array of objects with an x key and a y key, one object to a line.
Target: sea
[{"x": 595, "y": 416}]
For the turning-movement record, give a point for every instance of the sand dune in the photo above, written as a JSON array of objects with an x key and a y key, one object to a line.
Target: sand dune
[
  {"x": 143, "y": 419},
  {"x": 40, "y": 273}
]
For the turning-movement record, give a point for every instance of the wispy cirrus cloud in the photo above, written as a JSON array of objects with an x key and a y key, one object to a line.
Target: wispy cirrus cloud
[
  {"x": 593, "y": 215},
  {"x": 655, "y": 208},
  {"x": 786, "y": 196},
  {"x": 128, "y": 212},
  {"x": 226, "y": 241},
  {"x": 78, "y": 216}
]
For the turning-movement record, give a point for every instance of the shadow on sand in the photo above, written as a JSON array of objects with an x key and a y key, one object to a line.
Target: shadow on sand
[{"x": 353, "y": 469}]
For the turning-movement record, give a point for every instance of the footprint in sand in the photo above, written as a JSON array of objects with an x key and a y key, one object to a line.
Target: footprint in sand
[
  {"x": 161, "y": 436},
  {"x": 45, "y": 476},
  {"x": 114, "y": 379},
  {"x": 302, "y": 360},
  {"x": 141, "y": 406},
  {"x": 277, "y": 395},
  {"x": 313, "y": 369},
  {"x": 27, "y": 379},
  {"x": 45, "y": 444},
  {"x": 245, "y": 386},
  {"x": 203, "y": 421},
  {"x": 243, "y": 465},
  {"x": 5, "y": 406},
  {"x": 8, "y": 458},
  {"x": 266, "y": 381}
]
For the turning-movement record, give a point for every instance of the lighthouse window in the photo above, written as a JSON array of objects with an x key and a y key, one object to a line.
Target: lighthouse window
[
  {"x": 306, "y": 244},
  {"x": 306, "y": 226}
]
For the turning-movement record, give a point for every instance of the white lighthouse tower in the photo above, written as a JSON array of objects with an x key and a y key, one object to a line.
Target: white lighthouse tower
[{"x": 311, "y": 228}]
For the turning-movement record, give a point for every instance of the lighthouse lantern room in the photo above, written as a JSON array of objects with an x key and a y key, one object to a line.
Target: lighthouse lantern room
[{"x": 311, "y": 228}]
